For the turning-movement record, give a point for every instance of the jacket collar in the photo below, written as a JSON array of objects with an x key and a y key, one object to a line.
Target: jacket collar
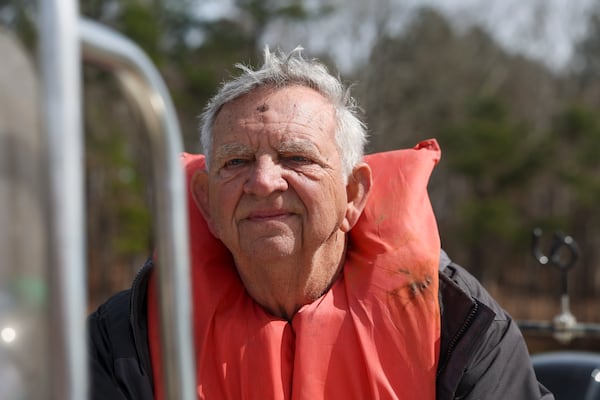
[{"x": 464, "y": 321}]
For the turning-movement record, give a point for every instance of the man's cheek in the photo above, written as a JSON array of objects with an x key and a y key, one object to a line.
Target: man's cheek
[{"x": 213, "y": 224}]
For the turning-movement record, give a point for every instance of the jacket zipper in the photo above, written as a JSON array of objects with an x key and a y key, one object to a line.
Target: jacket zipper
[
  {"x": 134, "y": 287},
  {"x": 459, "y": 334},
  {"x": 132, "y": 306}
]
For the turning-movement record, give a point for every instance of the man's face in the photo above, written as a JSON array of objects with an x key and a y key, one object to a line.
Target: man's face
[{"x": 275, "y": 186}]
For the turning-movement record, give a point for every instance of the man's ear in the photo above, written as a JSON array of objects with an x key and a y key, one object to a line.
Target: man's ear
[
  {"x": 199, "y": 186},
  {"x": 357, "y": 191}
]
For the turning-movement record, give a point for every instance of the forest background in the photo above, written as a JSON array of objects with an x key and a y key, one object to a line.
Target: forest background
[{"x": 520, "y": 135}]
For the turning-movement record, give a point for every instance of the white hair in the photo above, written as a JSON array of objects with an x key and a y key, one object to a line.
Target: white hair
[{"x": 280, "y": 70}]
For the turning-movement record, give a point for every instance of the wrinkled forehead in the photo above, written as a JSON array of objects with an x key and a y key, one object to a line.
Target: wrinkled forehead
[{"x": 295, "y": 104}]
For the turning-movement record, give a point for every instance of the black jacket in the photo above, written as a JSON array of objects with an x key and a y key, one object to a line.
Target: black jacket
[{"x": 482, "y": 352}]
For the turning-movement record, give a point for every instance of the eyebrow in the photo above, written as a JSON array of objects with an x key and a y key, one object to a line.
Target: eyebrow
[
  {"x": 299, "y": 146},
  {"x": 231, "y": 149}
]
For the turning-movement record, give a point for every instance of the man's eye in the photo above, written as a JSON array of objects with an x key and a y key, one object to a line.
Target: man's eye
[
  {"x": 234, "y": 162},
  {"x": 299, "y": 160}
]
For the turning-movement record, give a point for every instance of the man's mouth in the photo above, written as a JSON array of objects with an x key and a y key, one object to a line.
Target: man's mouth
[{"x": 264, "y": 215}]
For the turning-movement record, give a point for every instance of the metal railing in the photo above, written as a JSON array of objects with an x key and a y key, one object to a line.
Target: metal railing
[
  {"x": 64, "y": 41},
  {"x": 60, "y": 67},
  {"x": 144, "y": 86}
]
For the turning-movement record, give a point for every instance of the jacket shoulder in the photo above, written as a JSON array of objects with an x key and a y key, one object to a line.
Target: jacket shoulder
[
  {"x": 485, "y": 353},
  {"x": 117, "y": 350},
  {"x": 471, "y": 286},
  {"x": 110, "y": 323}
]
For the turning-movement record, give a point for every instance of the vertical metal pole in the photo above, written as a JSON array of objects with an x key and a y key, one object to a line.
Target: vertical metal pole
[
  {"x": 146, "y": 89},
  {"x": 61, "y": 98}
]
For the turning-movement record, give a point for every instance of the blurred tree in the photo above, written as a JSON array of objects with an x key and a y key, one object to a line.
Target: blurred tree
[
  {"x": 423, "y": 79},
  {"x": 495, "y": 158},
  {"x": 577, "y": 146},
  {"x": 118, "y": 188},
  {"x": 575, "y": 135},
  {"x": 586, "y": 63},
  {"x": 405, "y": 88},
  {"x": 490, "y": 111}
]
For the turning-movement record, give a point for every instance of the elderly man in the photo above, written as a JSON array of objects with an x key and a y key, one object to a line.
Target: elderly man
[{"x": 317, "y": 272}]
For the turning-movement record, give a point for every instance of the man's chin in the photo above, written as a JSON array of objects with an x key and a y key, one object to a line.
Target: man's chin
[{"x": 270, "y": 247}]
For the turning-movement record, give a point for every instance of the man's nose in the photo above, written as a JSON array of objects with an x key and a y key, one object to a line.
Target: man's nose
[{"x": 266, "y": 177}]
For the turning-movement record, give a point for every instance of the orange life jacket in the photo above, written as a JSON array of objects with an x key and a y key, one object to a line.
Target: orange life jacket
[{"x": 374, "y": 335}]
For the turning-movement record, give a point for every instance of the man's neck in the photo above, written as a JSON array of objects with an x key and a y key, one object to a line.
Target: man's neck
[{"x": 283, "y": 286}]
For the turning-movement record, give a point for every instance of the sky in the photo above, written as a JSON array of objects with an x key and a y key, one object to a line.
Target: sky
[{"x": 541, "y": 29}]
